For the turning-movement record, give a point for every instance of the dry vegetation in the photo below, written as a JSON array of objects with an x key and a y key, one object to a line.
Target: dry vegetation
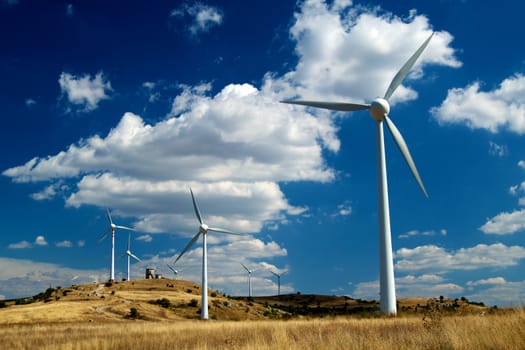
[{"x": 100, "y": 317}]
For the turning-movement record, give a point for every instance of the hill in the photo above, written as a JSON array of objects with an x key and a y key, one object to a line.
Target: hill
[{"x": 170, "y": 300}]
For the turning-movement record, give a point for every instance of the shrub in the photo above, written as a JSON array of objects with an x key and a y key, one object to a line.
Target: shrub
[
  {"x": 193, "y": 303},
  {"x": 133, "y": 313}
]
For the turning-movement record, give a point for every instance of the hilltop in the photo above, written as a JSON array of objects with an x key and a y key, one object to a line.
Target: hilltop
[{"x": 171, "y": 300}]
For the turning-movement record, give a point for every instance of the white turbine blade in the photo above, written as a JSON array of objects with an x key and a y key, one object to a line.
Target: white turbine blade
[
  {"x": 104, "y": 235},
  {"x": 196, "y": 207},
  {"x": 193, "y": 240},
  {"x": 123, "y": 255},
  {"x": 216, "y": 229},
  {"x": 124, "y": 228},
  {"x": 134, "y": 256},
  {"x": 400, "y": 76},
  {"x": 276, "y": 275},
  {"x": 336, "y": 106},
  {"x": 129, "y": 242},
  {"x": 109, "y": 216},
  {"x": 246, "y": 268},
  {"x": 172, "y": 269},
  {"x": 401, "y": 144}
]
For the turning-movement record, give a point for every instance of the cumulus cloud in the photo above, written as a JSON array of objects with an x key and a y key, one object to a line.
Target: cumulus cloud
[
  {"x": 497, "y": 291},
  {"x": 437, "y": 259},
  {"x": 86, "y": 92},
  {"x": 202, "y": 17},
  {"x": 505, "y": 223},
  {"x": 40, "y": 240},
  {"x": 342, "y": 58},
  {"x": 500, "y": 109}
]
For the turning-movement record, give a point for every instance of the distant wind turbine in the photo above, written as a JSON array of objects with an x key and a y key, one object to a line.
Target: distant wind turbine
[
  {"x": 203, "y": 230},
  {"x": 379, "y": 109},
  {"x": 175, "y": 272},
  {"x": 111, "y": 229},
  {"x": 249, "y": 279},
  {"x": 278, "y": 281},
  {"x": 130, "y": 255}
]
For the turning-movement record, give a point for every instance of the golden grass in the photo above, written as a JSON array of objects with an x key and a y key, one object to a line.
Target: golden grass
[{"x": 495, "y": 331}]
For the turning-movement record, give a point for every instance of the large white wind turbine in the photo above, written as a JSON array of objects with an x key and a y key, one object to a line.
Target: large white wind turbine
[
  {"x": 111, "y": 229},
  {"x": 130, "y": 255},
  {"x": 278, "y": 281},
  {"x": 249, "y": 279},
  {"x": 379, "y": 109},
  {"x": 203, "y": 230}
]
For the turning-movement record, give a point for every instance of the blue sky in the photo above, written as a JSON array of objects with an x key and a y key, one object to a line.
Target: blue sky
[{"x": 126, "y": 105}]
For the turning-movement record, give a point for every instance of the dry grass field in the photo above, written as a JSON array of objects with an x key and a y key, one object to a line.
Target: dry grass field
[{"x": 101, "y": 317}]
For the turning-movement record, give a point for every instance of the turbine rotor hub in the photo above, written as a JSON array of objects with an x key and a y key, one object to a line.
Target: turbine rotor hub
[
  {"x": 379, "y": 108},
  {"x": 203, "y": 228}
]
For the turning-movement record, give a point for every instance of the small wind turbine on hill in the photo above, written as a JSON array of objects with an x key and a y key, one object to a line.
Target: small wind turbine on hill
[
  {"x": 278, "y": 281},
  {"x": 175, "y": 272},
  {"x": 249, "y": 279},
  {"x": 379, "y": 110},
  {"x": 203, "y": 230},
  {"x": 111, "y": 229},
  {"x": 130, "y": 255}
]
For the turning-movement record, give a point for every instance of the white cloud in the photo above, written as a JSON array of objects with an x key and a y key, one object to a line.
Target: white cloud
[
  {"x": 81, "y": 243},
  {"x": 84, "y": 91},
  {"x": 22, "y": 277},
  {"x": 497, "y": 291},
  {"x": 40, "y": 240},
  {"x": 69, "y": 10},
  {"x": 64, "y": 244},
  {"x": 344, "y": 209},
  {"x": 437, "y": 259},
  {"x": 20, "y": 245},
  {"x": 203, "y": 17},
  {"x": 30, "y": 102},
  {"x": 499, "y": 109},
  {"x": 414, "y": 233},
  {"x": 353, "y": 55},
  {"x": 521, "y": 164},
  {"x": 505, "y": 223},
  {"x": 497, "y": 150},
  {"x": 145, "y": 238}
]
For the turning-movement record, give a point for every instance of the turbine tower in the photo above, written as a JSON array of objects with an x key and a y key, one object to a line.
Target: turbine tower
[
  {"x": 379, "y": 110},
  {"x": 278, "y": 281},
  {"x": 111, "y": 229},
  {"x": 249, "y": 279},
  {"x": 203, "y": 230},
  {"x": 130, "y": 255}
]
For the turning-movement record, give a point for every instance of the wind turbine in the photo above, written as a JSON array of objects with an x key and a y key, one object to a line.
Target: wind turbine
[
  {"x": 203, "y": 230},
  {"x": 175, "y": 272},
  {"x": 130, "y": 255},
  {"x": 379, "y": 109},
  {"x": 278, "y": 281},
  {"x": 249, "y": 279},
  {"x": 112, "y": 228}
]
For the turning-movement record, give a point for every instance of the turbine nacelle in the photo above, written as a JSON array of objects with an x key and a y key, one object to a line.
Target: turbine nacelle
[
  {"x": 379, "y": 108},
  {"x": 203, "y": 228}
]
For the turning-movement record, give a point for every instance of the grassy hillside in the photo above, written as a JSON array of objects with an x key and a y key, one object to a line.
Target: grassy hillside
[{"x": 166, "y": 300}]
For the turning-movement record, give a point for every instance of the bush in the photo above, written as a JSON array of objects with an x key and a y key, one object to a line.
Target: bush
[
  {"x": 133, "y": 313},
  {"x": 193, "y": 303}
]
